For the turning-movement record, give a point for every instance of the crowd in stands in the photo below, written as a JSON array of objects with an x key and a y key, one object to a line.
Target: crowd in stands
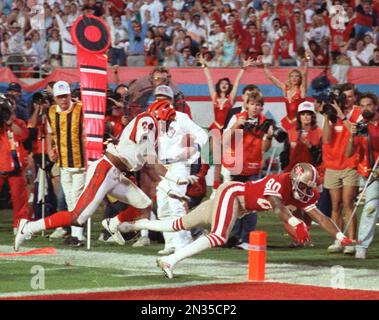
[{"x": 175, "y": 33}]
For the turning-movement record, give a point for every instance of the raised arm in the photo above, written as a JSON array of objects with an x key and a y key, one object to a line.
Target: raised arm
[
  {"x": 304, "y": 84},
  {"x": 208, "y": 77},
  {"x": 274, "y": 80},
  {"x": 245, "y": 65}
]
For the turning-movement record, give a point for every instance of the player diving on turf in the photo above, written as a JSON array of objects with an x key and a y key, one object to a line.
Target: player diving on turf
[{"x": 278, "y": 192}]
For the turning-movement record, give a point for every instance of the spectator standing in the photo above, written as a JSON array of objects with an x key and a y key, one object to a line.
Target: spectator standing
[
  {"x": 366, "y": 144},
  {"x": 137, "y": 34},
  {"x": 13, "y": 160},
  {"x": 341, "y": 177},
  {"x": 294, "y": 91},
  {"x": 366, "y": 18},
  {"x": 117, "y": 55},
  {"x": 69, "y": 59},
  {"x": 247, "y": 165},
  {"x": 231, "y": 58},
  {"x": 14, "y": 90},
  {"x": 283, "y": 48},
  {"x": 54, "y": 49}
]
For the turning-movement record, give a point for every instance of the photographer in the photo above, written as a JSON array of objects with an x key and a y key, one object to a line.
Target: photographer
[
  {"x": 364, "y": 140},
  {"x": 303, "y": 145},
  {"x": 37, "y": 134},
  {"x": 341, "y": 177},
  {"x": 13, "y": 160},
  {"x": 248, "y": 166}
]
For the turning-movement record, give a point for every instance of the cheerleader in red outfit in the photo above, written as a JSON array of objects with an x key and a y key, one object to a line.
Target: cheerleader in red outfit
[
  {"x": 294, "y": 91},
  {"x": 223, "y": 97}
]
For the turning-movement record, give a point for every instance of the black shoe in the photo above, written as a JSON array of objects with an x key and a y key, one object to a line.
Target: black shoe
[{"x": 74, "y": 242}]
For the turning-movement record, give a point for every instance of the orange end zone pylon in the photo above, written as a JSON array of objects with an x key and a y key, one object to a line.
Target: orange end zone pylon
[
  {"x": 257, "y": 255},
  {"x": 41, "y": 251}
]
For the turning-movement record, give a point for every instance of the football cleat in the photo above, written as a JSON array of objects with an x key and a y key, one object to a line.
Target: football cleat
[
  {"x": 21, "y": 235},
  {"x": 166, "y": 251},
  {"x": 166, "y": 267},
  {"x": 141, "y": 242},
  {"x": 111, "y": 226}
]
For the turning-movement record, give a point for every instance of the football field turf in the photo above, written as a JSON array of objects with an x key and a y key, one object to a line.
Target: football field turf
[{"x": 109, "y": 267}]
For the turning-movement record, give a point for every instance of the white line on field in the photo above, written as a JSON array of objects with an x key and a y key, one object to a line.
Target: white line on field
[{"x": 215, "y": 270}]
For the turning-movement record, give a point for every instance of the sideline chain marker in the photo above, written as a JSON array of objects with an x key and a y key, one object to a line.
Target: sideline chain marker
[{"x": 257, "y": 255}]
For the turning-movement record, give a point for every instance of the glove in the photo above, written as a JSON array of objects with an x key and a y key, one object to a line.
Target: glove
[
  {"x": 187, "y": 180},
  {"x": 175, "y": 195},
  {"x": 302, "y": 234},
  {"x": 346, "y": 241}
]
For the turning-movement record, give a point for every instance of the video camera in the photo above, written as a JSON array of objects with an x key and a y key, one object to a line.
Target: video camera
[
  {"x": 279, "y": 134},
  {"x": 362, "y": 129},
  {"x": 250, "y": 124},
  {"x": 6, "y": 110},
  {"x": 327, "y": 98}
]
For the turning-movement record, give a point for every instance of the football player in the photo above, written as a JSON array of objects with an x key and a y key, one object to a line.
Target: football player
[
  {"x": 278, "y": 192},
  {"x": 109, "y": 175}
]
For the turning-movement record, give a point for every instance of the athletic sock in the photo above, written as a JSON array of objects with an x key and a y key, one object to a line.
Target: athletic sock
[
  {"x": 157, "y": 225},
  {"x": 200, "y": 244},
  {"x": 145, "y": 233},
  {"x": 129, "y": 214},
  {"x": 59, "y": 219},
  {"x": 77, "y": 232},
  {"x": 35, "y": 226}
]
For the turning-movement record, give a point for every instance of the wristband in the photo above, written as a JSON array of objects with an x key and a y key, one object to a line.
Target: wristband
[
  {"x": 344, "y": 119},
  {"x": 293, "y": 221},
  {"x": 340, "y": 236}
]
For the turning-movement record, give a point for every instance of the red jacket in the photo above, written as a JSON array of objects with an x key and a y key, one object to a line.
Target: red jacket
[{"x": 13, "y": 154}]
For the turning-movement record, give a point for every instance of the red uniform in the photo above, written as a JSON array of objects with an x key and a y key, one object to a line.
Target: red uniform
[
  {"x": 252, "y": 154},
  {"x": 333, "y": 154},
  {"x": 13, "y": 161},
  {"x": 278, "y": 185},
  {"x": 292, "y": 105},
  {"x": 221, "y": 111}
]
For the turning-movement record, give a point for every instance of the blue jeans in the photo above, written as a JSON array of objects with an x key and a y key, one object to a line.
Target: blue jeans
[
  {"x": 370, "y": 214},
  {"x": 248, "y": 223},
  {"x": 61, "y": 200},
  {"x": 324, "y": 203},
  {"x": 117, "y": 56}
]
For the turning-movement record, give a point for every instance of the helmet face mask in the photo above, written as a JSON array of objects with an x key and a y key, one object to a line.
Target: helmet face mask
[{"x": 304, "y": 180}]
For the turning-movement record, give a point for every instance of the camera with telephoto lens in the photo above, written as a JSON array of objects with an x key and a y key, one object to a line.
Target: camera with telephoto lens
[
  {"x": 279, "y": 134},
  {"x": 41, "y": 98},
  {"x": 362, "y": 129},
  {"x": 250, "y": 124},
  {"x": 328, "y": 98},
  {"x": 6, "y": 110}
]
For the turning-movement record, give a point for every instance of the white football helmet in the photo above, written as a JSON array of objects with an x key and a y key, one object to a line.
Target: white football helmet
[{"x": 304, "y": 179}]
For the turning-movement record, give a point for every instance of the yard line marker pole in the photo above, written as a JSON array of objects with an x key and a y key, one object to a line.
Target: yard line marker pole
[
  {"x": 257, "y": 256},
  {"x": 89, "y": 234}
]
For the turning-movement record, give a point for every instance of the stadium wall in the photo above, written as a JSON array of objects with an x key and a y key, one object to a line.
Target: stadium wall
[{"x": 192, "y": 82}]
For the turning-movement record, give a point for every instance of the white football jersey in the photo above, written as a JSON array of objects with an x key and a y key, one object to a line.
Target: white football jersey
[{"x": 137, "y": 140}]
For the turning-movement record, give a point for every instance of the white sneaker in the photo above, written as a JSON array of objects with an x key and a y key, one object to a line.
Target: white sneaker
[
  {"x": 111, "y": 226},
  {"x": 21, "y": 235},
  {"x": 361, "y": 253},
  {"x": 141, "y": 242},
  {"x": 166, "y": 267},
  {"x": 349, "y": 250},
  {"x": 58, "y": 233},
  {"x": 243, "y": 246},
  {"x": 166, "y": 251},
  {"x": 335, "y": 247}
]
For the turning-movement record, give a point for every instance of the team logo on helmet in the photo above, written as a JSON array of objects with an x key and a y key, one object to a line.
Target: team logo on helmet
[{"x": 304, "y": 178}]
